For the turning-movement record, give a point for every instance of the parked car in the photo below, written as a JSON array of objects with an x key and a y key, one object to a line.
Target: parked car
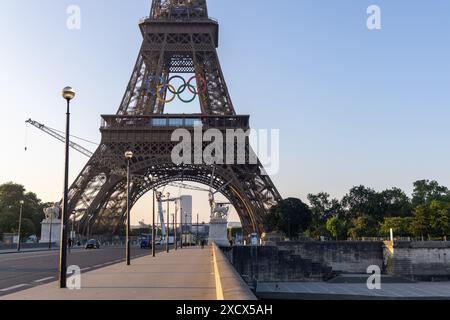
[{"x": 93, "y": 244}]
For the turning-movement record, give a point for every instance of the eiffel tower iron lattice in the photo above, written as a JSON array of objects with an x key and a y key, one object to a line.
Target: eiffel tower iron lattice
[{"x": 178, "y": 38}]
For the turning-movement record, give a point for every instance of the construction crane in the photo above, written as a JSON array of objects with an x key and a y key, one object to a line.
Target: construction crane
[
  {"x": 55, "y": 134},
  {"x": 58, "y": 136}
]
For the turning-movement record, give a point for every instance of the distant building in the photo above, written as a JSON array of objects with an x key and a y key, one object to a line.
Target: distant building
[{"x": 186, "y": 209}]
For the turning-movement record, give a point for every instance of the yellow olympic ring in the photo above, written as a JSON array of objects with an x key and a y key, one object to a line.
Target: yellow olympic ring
[{"x": 159, "y": 87}]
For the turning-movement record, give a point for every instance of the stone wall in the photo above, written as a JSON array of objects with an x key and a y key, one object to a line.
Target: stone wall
[
  {"x": 418, "y": 260},
  {"x": 304, "y": 261},
  {"x": 341, "y": 256},
  {"x": 312, "y": 261}
]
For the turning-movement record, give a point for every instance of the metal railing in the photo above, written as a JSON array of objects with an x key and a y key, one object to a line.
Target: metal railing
[{"x": 175, "y": 121}]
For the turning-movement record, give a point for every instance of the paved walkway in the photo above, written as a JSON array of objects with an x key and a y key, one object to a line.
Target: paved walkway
[
  {"x": 354, "y": 291},
  {"x": 186, "y": 274}
]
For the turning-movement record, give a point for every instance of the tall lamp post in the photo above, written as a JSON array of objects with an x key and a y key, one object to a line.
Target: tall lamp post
[
  {"x": 174, "y": 229},
  {"x": 20, "y": 224},
  {"x": 168, "y": 223},
  {"x": 50, "y": 233},
  {"x": 128, "y": 157},
  {"x": 181, "y": 226},
  {"x": 196, "y": 238},
  {"x": 152, "y": 180},
  {"x": 153, "y": 227},
  {"x": 175, "y": 226},
  {"x": 186, "y": 225},
  {"x": 68, "y": 93}
]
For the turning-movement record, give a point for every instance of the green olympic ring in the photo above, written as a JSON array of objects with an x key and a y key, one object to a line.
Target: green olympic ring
[{"x": 190, "y": 86}]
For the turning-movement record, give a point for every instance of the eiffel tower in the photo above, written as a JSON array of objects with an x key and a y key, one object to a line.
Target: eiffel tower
[{"x": 178, "y": 38}]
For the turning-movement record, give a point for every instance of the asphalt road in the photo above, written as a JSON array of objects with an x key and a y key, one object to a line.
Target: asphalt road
[{"x": 21, "y": 271}]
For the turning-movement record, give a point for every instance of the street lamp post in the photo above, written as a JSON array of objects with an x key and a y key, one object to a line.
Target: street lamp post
[
  {"x": 168, "y": 224},
  {"x": 128, "y": 157},
  {"x": 153, "y": 227},
  {"x": 174, "y": 229},
  {"x": 68, "y": 93},
  {"x": 181, "y": 226},
  {"x": 72, "y": 233},
  {"x": 152, "y": 180},
  {"x": 50, "y": 231},
  {"x": 20, "y": 224},
  {"x": 196, "y": 238},
  {"x": 175, "y": 226},
  {"x": 186, "y": 226}
]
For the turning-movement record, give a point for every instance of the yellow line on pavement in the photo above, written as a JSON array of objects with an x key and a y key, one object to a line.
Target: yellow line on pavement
[{"x": 219, "y": 290}]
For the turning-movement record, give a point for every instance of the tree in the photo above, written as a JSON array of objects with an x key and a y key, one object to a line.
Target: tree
[
  {"x": 8, "y": 222},
  {"x": 362, "y": 201},
  {"x": 290, "y": 216},
  {"x": 395, "y": 203},
  {"x": 10, "y": 196},
  {"x": 420, "y": 222},
  {"x": 426, "y": 191},
  {"x": 336, "y": 227},
  {"x": 322, "y": 209},
  {"x": 364, "y": 226},
  {"x": 440, "y": 218},
  {"x": 400, "y": 226},
  {"x": 27, "y": 229}
]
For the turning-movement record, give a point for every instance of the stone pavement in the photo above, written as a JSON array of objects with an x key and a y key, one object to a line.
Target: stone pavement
[
  {"x": 186, "y": 274},
  {"x": 354, "y": 291}
]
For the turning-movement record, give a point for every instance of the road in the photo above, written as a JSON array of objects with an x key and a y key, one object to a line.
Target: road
[{"x": 20, "y": 271}]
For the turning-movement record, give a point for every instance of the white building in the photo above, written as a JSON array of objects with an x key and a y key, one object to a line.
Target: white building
[{"x": 186, "y": 209}]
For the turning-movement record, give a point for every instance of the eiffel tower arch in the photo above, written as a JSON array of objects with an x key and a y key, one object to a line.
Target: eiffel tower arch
[{"x": 179, "y": 38}]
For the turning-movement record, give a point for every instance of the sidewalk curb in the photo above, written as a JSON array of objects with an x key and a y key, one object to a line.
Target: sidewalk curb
[{"x": 26, "y": 251}]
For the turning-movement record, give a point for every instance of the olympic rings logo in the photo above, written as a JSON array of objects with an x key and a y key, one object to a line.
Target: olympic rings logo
[{"x": 158, "y": 86}]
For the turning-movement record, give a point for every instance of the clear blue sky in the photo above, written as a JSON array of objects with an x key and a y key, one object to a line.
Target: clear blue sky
[{"x": 354, "y": 106}]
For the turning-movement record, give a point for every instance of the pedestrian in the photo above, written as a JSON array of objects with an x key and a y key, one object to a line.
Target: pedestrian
[
  {"x": 203, "y": 243},
  {"x": 231, "y": 243}
]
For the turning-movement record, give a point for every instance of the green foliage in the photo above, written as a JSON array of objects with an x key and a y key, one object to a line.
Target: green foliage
[
  {"x": 426, "y": 191},
  {"x": 337, "y": 228},
  {"x": 364, "y": 226},
  {"x": 440, "y": 218},
  {"x": 290, "y": 216},
  {"x": 322, "y": 209},
  {"x": 10, "y": 196},
  {"x": 233, "y": 232},
  {"x": 394, "y": 203},
  {"x": 370, "y": 214},
  {"x": 400, "y": 226},
  {"x": 362, "y": 201},
  {"x": 420, "y": 224}
]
